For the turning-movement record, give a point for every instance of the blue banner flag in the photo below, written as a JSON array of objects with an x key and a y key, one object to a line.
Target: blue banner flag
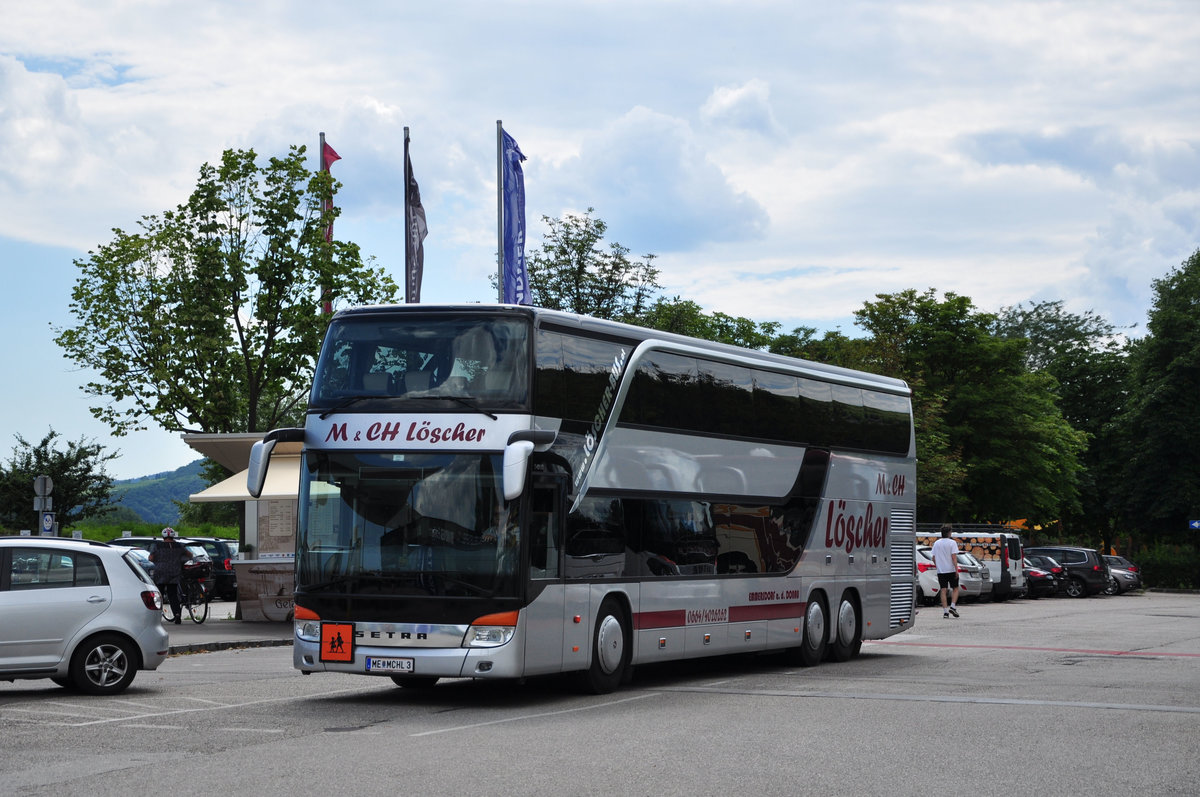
[{"x": 516, "y": 278}]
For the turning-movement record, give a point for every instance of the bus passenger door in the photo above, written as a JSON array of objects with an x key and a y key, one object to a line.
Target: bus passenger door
[{"x": 545, "y": 616}]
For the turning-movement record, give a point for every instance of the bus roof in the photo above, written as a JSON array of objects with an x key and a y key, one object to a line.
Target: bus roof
[{"x": 615, "y": 329}]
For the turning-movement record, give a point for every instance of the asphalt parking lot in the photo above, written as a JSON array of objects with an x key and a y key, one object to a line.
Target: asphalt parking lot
[{"x": 1099, "y": 695}]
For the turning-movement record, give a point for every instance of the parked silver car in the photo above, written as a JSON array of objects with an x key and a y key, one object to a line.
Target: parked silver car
[
  {"x": 1120, "y": 577},
  {"x": 970, "y": 580},
  {"x": 83, "y": 614},
  {"x": 974, "y": 577}
]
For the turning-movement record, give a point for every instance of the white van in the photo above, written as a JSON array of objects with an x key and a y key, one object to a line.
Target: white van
[{"x": 1001, "y": 551}]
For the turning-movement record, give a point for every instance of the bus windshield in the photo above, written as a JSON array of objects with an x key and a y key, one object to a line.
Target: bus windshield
[
  {"x": 405, "y": 524},
  {"x": 373, "y": 360}
]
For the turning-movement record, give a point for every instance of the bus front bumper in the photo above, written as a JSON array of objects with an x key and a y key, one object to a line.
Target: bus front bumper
[{"x": 497, "y": 662}]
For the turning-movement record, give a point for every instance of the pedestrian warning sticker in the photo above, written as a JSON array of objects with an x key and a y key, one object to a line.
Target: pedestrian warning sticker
[{"x": 337, "y": 641}]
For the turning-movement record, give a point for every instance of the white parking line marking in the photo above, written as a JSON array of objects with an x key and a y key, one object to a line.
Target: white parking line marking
[
  {"x": 987, "y": 701},
  {"x": 523, "y": 717},
  {"x": 227, "y": 706}
]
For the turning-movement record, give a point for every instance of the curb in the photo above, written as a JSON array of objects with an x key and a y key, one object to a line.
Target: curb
[{"x": 206, "y": 647}]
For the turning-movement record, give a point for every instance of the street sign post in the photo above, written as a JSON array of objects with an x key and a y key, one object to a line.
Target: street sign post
[{"x": 43, "y": 486}]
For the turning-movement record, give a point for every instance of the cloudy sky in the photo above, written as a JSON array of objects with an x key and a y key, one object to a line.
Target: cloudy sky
[{"x": 785, "y": 160}]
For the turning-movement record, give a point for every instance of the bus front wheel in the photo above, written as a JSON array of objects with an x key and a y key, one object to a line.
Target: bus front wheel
[
  {"x": 812, "y": 642},
  {"x": 610, "y": 649}
]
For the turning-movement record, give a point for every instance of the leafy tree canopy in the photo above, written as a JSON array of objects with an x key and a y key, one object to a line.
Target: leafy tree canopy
[
  {"x": 1161, "y": 476},
  {"x": 685, "y": 317},
  {"x": 82, "y": 488},
  {"x": 571, "y": 271},
  {"x": 207, "y": 317},
  {"x": 994, "y": 424}
]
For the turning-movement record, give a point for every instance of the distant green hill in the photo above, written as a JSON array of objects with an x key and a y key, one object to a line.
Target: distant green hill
[{"x": 153, "y": 497}]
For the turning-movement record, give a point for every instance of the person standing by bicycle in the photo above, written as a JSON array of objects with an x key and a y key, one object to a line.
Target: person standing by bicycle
[{"x": 168, "y": 556}]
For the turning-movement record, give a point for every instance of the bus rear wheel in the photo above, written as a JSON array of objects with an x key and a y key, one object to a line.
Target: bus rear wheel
[
  {"x": 847, "y": 638},
  {"x": 610, "y": 649}
]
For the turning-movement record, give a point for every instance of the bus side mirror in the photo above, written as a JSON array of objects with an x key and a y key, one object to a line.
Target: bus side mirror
[
  {"x": 256, "y": 472},
  {"x": 516, "y": 462},
  {"x": 260, "y": 457}
]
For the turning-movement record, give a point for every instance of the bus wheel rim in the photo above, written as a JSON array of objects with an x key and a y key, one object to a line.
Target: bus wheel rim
[
  {"x": 846, "y": 622},
  {"x": 815, "y": 624},
  {"x": 610, "y": 644}
]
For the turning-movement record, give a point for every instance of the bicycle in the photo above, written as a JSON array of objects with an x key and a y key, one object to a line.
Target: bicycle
[{"x": 192, "y": 598}]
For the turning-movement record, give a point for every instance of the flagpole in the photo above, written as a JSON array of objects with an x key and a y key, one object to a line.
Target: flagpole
[
  {"x": 326, "y": 299},
  {"x": 499, "y": 211},
  {"x": 407, "y": 231}
]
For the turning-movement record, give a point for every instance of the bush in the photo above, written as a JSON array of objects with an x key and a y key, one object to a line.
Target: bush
[
  {"x": 104, "y": 532},
  {"x": 1169, "y": 566}
]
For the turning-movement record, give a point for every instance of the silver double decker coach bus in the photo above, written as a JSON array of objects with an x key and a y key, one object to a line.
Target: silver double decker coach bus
[{"x": 493, "y": 491}]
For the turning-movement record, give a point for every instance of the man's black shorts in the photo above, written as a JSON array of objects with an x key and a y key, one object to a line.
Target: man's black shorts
[{"x": 948, "y": 580}]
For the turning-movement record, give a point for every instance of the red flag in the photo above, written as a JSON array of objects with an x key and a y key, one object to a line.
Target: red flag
[{"x": 328, "y": 156}]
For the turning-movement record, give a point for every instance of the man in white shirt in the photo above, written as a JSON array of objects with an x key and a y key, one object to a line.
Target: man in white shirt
[{"x": 945, "y": 558}]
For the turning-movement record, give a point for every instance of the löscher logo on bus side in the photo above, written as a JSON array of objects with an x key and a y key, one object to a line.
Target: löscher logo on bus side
[{"x": 852, "y": 530}]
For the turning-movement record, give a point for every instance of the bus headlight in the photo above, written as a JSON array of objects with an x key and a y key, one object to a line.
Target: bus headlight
[
  {"x": 308, "y": 630},
  {"x": 308, "y": 624},
  {"x": 491, "y": 630}
]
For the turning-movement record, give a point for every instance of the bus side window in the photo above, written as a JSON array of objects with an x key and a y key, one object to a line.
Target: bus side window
[{"x": 543, "y": 531}]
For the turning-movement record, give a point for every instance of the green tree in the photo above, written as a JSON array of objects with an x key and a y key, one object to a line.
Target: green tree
[
  {"x": 571, "y": 271},
  {"x": 994, "y": 423},
  {"x": 206, "y": 318},
  {"x": 82, "y": 488},
  {"x": 1161, "y": 479},
  {"x": 1090, "y": 366},
  {"x": 685, "y": 317}
]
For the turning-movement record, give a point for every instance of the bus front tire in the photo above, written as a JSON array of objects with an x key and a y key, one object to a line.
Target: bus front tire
[
  {"x": 610, "y": 650},
  {"x": 812, "y": 641}
]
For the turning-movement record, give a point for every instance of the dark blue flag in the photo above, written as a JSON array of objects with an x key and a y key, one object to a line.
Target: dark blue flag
[{"x": 516, "y": 278}]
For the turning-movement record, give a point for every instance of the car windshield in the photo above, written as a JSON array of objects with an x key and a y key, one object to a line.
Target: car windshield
[{"x": 405, "y": 524}]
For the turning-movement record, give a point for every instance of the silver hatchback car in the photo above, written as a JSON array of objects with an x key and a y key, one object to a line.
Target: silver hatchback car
[{"x": 83, "y": 614}]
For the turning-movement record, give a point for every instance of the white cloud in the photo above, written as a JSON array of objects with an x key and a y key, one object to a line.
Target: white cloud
[{"x": 786, "y": 161}]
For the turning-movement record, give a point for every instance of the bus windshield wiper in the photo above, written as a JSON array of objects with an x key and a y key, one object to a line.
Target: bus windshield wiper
[
  {"x": 348, "y": 400},
  {"x": 466, "y": 402}
]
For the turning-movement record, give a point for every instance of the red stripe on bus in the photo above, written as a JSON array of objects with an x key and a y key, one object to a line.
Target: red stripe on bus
[
  {"x": 765, "y": 611},
  {"x": 676, "y": 618},
  {"x": 669, "y": 619}
]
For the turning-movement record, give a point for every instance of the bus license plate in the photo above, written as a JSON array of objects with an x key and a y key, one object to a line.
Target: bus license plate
[{"x": 377, "y": 664}]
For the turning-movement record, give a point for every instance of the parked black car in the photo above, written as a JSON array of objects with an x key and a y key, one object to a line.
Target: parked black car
[
  {"x": 222, "y": 552},
  {"x": 1050, "y": 564},
  {"x": 1086, "y": 572},
  {"x": 1040, "y": 581},
  {"x": 200, "y": 565}
]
